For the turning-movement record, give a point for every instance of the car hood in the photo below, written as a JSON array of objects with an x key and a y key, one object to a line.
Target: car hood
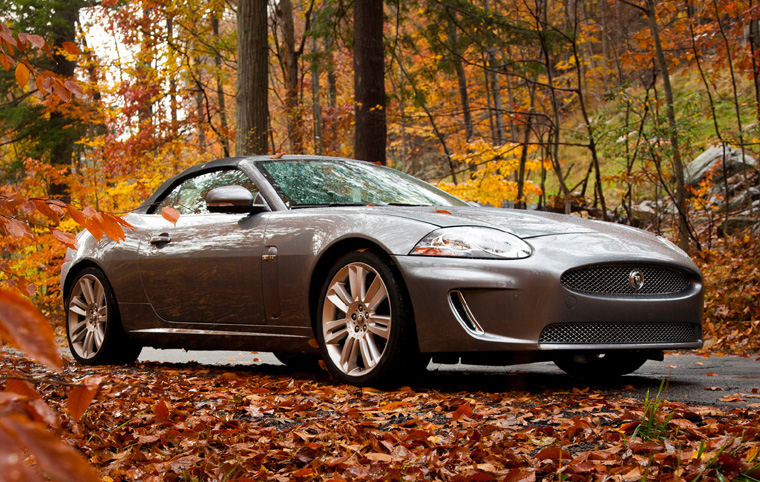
[{"x": 524, "y": 224}]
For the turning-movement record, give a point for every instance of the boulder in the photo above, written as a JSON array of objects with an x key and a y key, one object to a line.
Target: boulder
[
  {"x": 738, "y": 224},
  {"x": 696, "y": 170}
]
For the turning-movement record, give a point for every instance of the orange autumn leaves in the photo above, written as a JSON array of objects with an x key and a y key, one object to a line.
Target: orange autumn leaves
[{"x": 13, "y": 49}]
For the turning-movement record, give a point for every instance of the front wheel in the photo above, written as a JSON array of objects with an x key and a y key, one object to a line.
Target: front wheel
[
  {"x": 600, "y": 365},
  {"x": 365, "y": 328},
  {"x": 93, "y": 327}
]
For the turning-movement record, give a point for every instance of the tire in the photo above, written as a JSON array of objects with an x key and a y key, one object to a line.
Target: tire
[
  {"x": 298, "y": 361},
  {"x": 93, "y": 326},
  {"x": 365, "y": 326},
  {"x": 600, "y": 365}
]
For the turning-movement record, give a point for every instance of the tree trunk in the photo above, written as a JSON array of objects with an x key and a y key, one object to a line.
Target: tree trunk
[
  {"x": 252, "y": 85},
  {"x": 315, "y": 102},
  {"x": 224, "y": 127},
  {"x": 172, "y": 79},
  {"x": 680, "y": 197},
  {"x": 541, "y": 21},
  {"x": 520, "y": 201},
  {"x": 290, "y": 75},
  {"x": 754, "y": 44},
  {"x": 62, "y": 149},
  {"x": 461, "y": 80},
  {"x": 369, "y": 83}
]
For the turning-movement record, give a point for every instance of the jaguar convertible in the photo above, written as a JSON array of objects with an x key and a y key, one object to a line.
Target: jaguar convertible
[{"x": 376, "y": 272}]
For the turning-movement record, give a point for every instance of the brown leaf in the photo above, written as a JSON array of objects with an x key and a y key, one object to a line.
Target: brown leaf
[
  {"x": 73, "y": 87},
  {"x": 80, "y": 396},
  {"x": 170, "y": 214},
  {"x": 553, "y": 453},
  {"x": 313, "y": 343},
  {"x": 111, "y": 227},
  {"x": 463, "y": 410},
  {"x": 277, "y": 156},
  {"x": 17, "y": 229},
  {"x": 42, "y": 412},
  {"x": 67, "y": 239},
  {"x": 60, "y": 91},
  {"x": 22, "y": 75},
  {"x": 35, "y": 40},
  {"x": 520, "y": 475},
  {"x": 161, "y": 410},
  {"x": 5, "y": 61},
  {"x": 12, "y": 461},
  {"x": 378, "y": 457},
  {"x": 22, "y": 387},
  {"x": 22, "y": 326},
  {"x": 56, "y": 460},
  {"x": 71, "y": 48},
  {"x": 77, "y": 216}
]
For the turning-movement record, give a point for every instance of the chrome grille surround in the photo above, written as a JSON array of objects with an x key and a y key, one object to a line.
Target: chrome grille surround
[
  {"x": 615, "y": 279},
  {"x": 614, "y": 333}
]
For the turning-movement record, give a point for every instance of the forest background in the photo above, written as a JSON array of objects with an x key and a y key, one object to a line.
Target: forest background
[{"x": 587, "y": 107}]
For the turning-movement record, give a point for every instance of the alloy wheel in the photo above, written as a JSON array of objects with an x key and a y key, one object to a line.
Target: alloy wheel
[
  {"x": 87, "y": 316},
  {"x": 356, "y": 319}
]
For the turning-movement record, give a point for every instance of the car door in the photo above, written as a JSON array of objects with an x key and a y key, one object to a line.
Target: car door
[{"x": 207, "y": 267}]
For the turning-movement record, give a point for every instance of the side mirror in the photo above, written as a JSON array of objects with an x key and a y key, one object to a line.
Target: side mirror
[{"x": 230, "y": 199}]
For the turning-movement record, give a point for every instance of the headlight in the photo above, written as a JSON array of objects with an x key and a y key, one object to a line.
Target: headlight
[{"x": 472, "y": 242}]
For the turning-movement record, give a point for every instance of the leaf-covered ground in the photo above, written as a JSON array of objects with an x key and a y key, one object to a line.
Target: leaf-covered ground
[
  {"x": 197, "y": 423},
  {"x": 732, "y": 296}
]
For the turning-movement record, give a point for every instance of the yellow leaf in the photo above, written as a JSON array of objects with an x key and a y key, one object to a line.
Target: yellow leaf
[{"x": 22, "y": 75}]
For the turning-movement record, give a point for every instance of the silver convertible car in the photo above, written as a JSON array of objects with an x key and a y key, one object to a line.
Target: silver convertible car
[{"x": 379, "y": 270}]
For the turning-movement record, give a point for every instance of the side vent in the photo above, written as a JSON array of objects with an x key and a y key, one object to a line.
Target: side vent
[{"x": 463, "y": 313}]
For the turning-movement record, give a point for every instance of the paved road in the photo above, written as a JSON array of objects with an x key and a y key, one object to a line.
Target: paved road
[{"x": 690, "y": 378}]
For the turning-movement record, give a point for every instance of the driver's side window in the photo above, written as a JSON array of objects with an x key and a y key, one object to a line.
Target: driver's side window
[{"x": 189, "y": 197}]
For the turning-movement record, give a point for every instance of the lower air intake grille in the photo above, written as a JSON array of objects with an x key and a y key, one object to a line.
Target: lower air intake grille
[
  {"x": 619, "y": 333},
  {"x": 626, "y": 279}
]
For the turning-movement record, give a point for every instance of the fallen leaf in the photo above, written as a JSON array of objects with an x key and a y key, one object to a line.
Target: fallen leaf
[
  {"x": 81, "y": 396},
  {"x": 170, "y": 214}
]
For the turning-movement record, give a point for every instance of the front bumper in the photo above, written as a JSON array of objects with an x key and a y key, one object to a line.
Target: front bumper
[{"x": 514, "y": 301}]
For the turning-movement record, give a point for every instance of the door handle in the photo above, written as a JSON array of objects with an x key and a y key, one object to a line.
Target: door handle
[{"x": 160, "y": 238}]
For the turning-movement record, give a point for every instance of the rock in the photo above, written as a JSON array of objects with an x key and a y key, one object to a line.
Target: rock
[
  {"x": 740, "y": 201},
  {"x": 644, "y": 211},
  {"x": 710, "y": 159},
  {"x": 738, "y": 224}
]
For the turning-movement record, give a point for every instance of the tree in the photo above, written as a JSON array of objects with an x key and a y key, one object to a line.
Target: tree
[
  {"x": 369, "y": 82},
  {"x": 252, "y": 86}
]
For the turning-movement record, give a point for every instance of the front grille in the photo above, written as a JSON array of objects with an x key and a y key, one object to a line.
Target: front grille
[
  {"x": 616, "y": 279},
  {"x": 610, "y": 333}
]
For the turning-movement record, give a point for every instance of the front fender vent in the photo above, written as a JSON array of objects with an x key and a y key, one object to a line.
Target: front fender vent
[{"x": 463, "y": 313}]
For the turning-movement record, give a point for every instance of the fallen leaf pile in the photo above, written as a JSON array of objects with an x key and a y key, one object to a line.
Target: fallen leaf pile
[
  {"x": 732, "y": 296},
  {"x": 187, "y": 422}
]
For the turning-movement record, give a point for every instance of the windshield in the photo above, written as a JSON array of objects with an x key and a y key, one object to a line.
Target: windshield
[{"x": 313, "y": 183}]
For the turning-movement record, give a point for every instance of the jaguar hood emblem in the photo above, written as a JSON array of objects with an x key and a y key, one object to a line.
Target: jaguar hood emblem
[{"x": 636, "y": 279}]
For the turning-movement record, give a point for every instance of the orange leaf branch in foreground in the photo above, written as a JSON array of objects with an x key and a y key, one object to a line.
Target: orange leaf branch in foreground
[{"x": 23, "y": 327}]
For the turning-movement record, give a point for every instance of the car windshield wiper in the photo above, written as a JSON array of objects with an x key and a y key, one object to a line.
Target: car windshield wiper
[
  {"x": 328, "y": 205},
  {"x": 405, "y": 204}
]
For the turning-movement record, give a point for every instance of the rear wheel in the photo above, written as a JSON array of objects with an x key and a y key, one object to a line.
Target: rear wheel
[
  {"x": 365, "y": 328},
  {"x": 93, "y": 327},
  {"x": 600, "y": 365}
]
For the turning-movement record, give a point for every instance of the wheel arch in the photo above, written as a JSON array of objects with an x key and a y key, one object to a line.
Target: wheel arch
[
  {"x": 328, "y": 258},
  {"x": 75, "y": 270}
]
